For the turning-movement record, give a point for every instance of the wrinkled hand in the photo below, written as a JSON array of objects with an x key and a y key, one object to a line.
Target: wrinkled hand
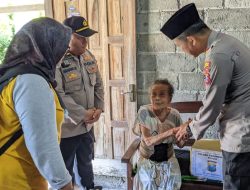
[
  {"x": 95, "y": 117},
  {"x": 181, "y": 132},
  {"x": 148, "y": 141}
]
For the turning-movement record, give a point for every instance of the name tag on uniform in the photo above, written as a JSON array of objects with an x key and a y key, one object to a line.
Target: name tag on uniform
[{"x": 66, "y": 70}]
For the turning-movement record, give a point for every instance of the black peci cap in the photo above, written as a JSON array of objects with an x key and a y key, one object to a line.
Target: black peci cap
[
  {"x": 79, "y": 25},
  {"x": 180, "y": 21}
]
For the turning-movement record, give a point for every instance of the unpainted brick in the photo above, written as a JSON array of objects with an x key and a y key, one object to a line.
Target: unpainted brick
[
  {"x": 148, "y": 22},
  {"x": 146, "y": 62},
  {"x": 229, "y": 19},
  {"x": 203, "y": 4},
  {"x": 142, "y": 99},
  {"x": 176, "y": 62},
  {"x": 180, "y": 96},
  {"x": 201, "y": 95},
  {"x": 154, "y": 43},
  {"x": 164, "y": 16},
  {"x": 191, "y": 81},
  {"x": 156, "y": 5},
  {"x": 171, "y": 77},
  {"x": 237, "y": 3},
  {"x": 144, "y": 80}
]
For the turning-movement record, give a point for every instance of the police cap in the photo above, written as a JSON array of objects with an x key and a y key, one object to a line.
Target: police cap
[
  {"x": 79, "y": 25},
  {"x": 180, "y": 21}
]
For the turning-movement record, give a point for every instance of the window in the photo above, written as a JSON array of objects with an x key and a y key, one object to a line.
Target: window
[{"x": 13, "y": 15}]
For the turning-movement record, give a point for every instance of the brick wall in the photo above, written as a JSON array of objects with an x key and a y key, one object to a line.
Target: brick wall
[{"x": 158, "y": 57}]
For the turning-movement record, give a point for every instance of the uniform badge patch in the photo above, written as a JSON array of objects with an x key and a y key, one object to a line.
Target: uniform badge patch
[
  {"x": 91, "y": 68},
  {"x": 72, "y": 76},
  {"x": 206, "y": 72}
]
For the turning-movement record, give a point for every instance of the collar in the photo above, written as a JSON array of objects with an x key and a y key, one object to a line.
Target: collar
[
  {"x": 71, "y": 56},
  {"x": 212, "y": 38}
]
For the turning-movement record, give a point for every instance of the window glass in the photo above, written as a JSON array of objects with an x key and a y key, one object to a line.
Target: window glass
[
  {"x": 7, "y": 3},
  {"x": 11, "y": 22}
]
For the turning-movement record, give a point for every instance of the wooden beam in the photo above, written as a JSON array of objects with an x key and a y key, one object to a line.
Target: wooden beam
[
  {"x": 48, "y": 7},
  {"x": 108, "y": 130},
  {"x": 59, "y": 10},
  {"x": 131, "y": 150},
  {"x": 187, "y": 107},
  {"x": 22, "y": 8}
]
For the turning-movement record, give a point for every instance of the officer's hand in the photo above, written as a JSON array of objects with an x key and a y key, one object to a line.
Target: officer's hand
[
  {"x": 96, "y": 116},
  {"x": 89, "y": 114},
  {"x": 182, "y": 132}
]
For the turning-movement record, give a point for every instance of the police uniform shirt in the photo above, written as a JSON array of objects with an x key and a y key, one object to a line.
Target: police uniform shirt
[
  {"x": 227, "y": 82},
  {"x": 80, "y": 85}
]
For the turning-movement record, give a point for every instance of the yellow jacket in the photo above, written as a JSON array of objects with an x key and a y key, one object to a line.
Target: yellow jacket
[{"x": 17, "y": 169}]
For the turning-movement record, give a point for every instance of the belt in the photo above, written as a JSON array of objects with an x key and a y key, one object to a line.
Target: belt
[{"x": 160, "y": 153}]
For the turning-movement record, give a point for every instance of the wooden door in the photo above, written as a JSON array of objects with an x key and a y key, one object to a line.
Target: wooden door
[
  {"x": 115, "y": 50},
  {"x": 119, "y": 54}
]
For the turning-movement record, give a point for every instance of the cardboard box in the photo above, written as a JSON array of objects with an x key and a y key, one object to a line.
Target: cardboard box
[{"x": 206, "y": 159}]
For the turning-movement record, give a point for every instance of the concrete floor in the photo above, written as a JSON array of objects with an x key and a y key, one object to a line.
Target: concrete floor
[{"x": 110, "y": 174}]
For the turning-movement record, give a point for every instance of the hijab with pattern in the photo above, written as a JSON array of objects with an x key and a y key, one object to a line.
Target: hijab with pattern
[{"x": 40, "y": 43}]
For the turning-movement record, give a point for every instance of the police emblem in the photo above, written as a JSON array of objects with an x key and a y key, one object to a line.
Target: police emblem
[{"x": 85, "y": 23}]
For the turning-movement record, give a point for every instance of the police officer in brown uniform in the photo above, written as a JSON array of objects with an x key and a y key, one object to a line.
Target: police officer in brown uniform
[
  {"x": 81, "y": 88},
  {"x": 227, "y": 98}
]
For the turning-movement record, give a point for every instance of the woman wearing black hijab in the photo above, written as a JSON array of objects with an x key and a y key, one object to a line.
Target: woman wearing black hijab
[{"x": 29, "y": 102}]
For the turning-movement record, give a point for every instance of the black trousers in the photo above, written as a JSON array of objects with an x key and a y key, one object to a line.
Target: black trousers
[
  {"x": 80, "y": 147},
  {"x": 236, "y": 171}
]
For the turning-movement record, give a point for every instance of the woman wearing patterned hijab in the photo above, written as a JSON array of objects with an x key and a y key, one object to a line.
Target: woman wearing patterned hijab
[{"x": 28, "y": 102}]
